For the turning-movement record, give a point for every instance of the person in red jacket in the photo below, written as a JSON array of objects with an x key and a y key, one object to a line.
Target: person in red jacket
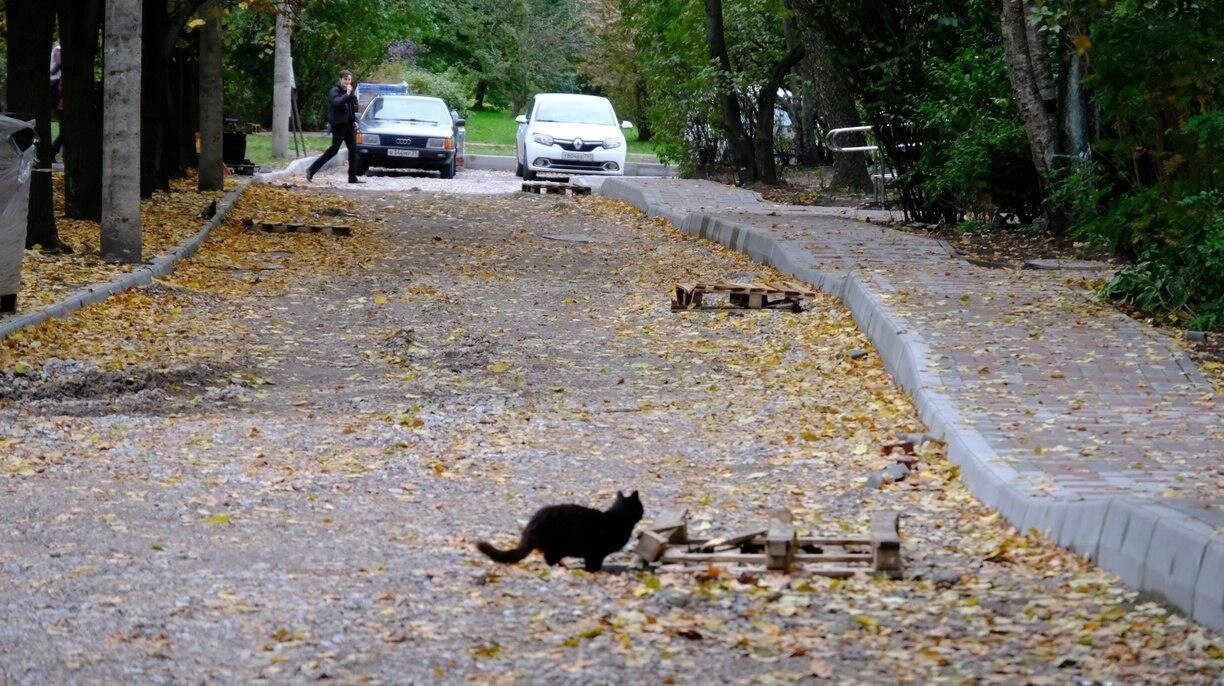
[{"x": 342, "y": 117}]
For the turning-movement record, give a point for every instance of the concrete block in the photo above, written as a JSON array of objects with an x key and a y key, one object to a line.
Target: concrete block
[
  {"x": 1081, "y": 531},
  {"x": 1125, "y": 540},
  {"x": 1012, "y": 503},
  {"x": 1209, "y": 591},
  {"x": 1174, "y": 559},
  {"x": 1047, "y": 516}
]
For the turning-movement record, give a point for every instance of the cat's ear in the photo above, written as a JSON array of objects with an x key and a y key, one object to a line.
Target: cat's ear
[
  {"x": 619, "y": 495},
  {"x": 633, "y": 496}
]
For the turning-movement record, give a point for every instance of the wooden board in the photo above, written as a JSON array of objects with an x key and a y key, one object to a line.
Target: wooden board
[
  {"x": 886, "y": 543},
  {"x": 242, "y": 169},
  {"x": 781, "y": 542}
]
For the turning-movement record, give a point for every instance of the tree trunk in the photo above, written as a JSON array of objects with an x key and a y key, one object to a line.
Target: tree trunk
[
  {"x": 733, "y": 123},
  {"x": 640, "y": 111},
  {"x": 482, "y": 89},
  {"x": 155, "y": 107},
  {"x": 211, "y": 176},
  {"x": 767, "y": 98},
  {"x": 836, "y": 106},
  {"x": 121, "y": 230},
  {"x": 1033, "y": 82},
  {"x": 282, "y": 69},
  {"x": 80, "y": 23},
  {"x": 180, "y": 146},
  {"x": 27, "y": 56},
  {"x": 1074, "y": 104}
]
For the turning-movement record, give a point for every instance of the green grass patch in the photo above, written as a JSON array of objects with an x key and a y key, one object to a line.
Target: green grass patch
[{"x": 259, "y": 148}]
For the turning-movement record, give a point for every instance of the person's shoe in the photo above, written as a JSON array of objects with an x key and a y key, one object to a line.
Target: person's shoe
[
  {"x": 356, "y": 180},
  {"x": 309, "y": 175}
]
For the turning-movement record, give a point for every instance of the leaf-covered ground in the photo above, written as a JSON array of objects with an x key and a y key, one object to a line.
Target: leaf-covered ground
[{"x": 273, "y": 465}]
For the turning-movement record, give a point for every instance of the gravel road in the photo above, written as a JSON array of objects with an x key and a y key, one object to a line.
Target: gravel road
[{"x": 290, "y": 486}]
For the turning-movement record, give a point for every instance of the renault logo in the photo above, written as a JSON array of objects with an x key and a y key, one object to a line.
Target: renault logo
[{"x": 577, "y": 142}]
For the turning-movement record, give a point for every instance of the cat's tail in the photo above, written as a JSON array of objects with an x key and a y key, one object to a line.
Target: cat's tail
[{"x": 506, "y": 556}]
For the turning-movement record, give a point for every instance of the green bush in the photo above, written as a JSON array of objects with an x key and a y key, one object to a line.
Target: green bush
[
  {"x": 1179, "y": 275},
  {"x": 975, "y": 158},
  {"x": 448, "y": 85}
]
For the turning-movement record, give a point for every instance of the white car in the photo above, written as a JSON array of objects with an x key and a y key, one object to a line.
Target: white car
[{"x": 571, "y": 134}]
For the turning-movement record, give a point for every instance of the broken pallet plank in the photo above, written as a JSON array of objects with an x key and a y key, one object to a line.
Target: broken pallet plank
[
  {"x": 886, "y": 542},
  {"x": 542, "y": 187},
  {"x": 780, "y": 541},
  {"x": 298, "y": 227},
  {"x": 726, "y": 542},
  {"x": 651, "y": 546}
]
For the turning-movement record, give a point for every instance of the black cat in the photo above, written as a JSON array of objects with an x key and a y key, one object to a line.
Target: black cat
[{"x": 574, "y": 531}]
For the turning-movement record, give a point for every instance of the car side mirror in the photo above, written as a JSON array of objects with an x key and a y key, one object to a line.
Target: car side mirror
[
  {"x": 626, "y": 125},
  {"x": 522, "y": 119},
  {"x": 460, "y": 121}
]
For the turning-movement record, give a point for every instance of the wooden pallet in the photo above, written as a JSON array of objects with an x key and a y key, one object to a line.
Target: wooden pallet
[
  {"x": 777, "y": 547},
  {"x": 242, "y": 169},
  {"x": 555, "y": 188},
  {"x": 296, "y": 227},
  {"x": 688, "y": 296}
]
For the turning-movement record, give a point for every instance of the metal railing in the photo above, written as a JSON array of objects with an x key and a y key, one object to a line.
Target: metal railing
[{"x": 879, "y": 171}]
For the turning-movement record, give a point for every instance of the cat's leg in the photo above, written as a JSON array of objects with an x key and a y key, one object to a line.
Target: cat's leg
[
  {"x": 553, "y": 559},
  {"x": 593, "y": 564}
]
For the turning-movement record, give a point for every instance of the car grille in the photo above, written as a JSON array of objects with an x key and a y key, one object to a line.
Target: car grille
[
  {"x": 414, "y": 141},
  {"x": 574, "y": 165},
  {"x": 587, "y": 146}
]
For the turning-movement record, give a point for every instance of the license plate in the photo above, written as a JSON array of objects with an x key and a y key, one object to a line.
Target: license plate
[
  {"x": 396, "y": 152},
  {"x": 582, "y": 156}
]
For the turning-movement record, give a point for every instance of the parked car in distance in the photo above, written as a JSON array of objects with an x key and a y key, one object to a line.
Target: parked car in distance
[
  {"x": 408, "y": 132},
  {"x": 569, "y": 133}
]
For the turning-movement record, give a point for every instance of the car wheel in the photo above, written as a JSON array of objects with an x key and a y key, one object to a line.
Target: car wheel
[
  {"x": 518, "y": 168},
  {"x": 447, "y": 171},
  {"x": 529, "y": 174}
]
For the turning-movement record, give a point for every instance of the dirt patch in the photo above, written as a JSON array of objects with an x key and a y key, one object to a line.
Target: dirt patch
[{"x": 81, "y": 388}]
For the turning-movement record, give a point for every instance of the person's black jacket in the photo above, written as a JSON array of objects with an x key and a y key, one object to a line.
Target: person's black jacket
[{"x": 342, "y": 107}]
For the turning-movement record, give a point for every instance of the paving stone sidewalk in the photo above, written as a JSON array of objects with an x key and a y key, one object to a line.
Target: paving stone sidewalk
[{"x": 1064, "y": 414}]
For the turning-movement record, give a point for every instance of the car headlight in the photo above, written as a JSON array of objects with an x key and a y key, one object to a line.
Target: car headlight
[
  {"x": 612, "y": 143},
  {"x": 435, "y": 143},
  {"x": 368, "y": 139},
  {"x": 542, "y": 138}
]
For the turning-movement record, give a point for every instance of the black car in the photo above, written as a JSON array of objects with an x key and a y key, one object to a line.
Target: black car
[{"x": 408, "y": 132}]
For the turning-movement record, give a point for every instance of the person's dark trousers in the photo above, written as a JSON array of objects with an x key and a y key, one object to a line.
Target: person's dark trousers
[
  {"x": 340, "y": 134},
  {"x": 58, "y": 143}
]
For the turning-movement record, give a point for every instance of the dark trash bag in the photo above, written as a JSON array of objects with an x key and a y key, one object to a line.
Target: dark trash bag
[{"x": 17, "y": 139}]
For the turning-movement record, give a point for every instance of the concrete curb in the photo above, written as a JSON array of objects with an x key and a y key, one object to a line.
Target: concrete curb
[
  {"x": 1151, "y": 546},
  {"x": 158, "y": 266}
]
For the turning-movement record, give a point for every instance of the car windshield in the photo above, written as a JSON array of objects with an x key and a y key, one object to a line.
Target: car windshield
[
  {"x": 406, "y": 109},
  {"x": 576, "y": 112}
]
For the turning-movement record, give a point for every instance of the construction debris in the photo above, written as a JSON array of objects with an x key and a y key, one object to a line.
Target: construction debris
[
  {"x": 297, "y": 227},
  {"x": 777, "y": 547},
  {"x": 773, "y": 294},
  {"x": 544, "y": 187}
]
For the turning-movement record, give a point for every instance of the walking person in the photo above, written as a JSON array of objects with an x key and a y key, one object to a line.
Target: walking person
[
  {"x": 57, "y": 96},
  {"x": 342, "y": 117}
]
